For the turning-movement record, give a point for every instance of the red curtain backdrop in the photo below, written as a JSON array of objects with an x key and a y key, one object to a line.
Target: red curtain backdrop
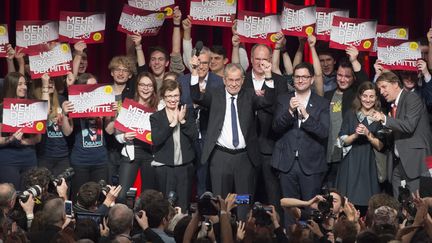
[{"x": 415, "y": 14}]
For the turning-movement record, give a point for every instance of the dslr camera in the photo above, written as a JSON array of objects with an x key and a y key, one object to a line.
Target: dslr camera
[
  {"x": 205, "y": 205},
  {"x": 67, "y": 175},
  {"x": 325, "y": 208},
  {"x": 259, "y": 212},
  {"x": 35, "y": 191},
  {"x": 406, "y": 199}
]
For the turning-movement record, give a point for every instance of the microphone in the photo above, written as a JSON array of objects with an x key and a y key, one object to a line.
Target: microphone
[{"x": 198, "y": 47}]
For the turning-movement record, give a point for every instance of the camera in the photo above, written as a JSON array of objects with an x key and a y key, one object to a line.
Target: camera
[
  {"x": 67, "y": 175},
  {"x": 35, "y": 191},
  {"x": 325, "y": 208},
  {"x": 104, "y": 186},
  {"x": 130, "y": 197},
  {"x": 406, "y": 200},
  {"x": 259, "y": 212},
  {"x": 172, "y": 198},
  {"x": 205, "y": 205}
]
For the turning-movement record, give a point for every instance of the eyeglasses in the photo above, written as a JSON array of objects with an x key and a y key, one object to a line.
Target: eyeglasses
[
  {"x": 148, "y": 86},
  {"x": 303, "y": 78},
  {"x": 118, "y": 70},
  {"x": 168, "y": 97},
  {"x": 204, "y": 63}
]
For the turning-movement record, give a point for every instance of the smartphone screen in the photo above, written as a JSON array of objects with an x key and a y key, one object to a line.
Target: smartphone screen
[
  {"x": 243, "y": 199},
  {"x": 68, "y": 208}
]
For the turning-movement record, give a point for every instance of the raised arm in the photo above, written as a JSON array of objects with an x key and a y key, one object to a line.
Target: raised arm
[
  {"x": 67, "y": 123},
  {"x": 10, "y": 58},
  {"x": 187, "y": 41},
  {"x": 298, "y": 58},
  {"x": 136, "y": 39},
  {"x": 176, "y": 61},
  {"x": 429, "y": 37},
  {"x": 79, "y": 48},
  {"x": 319, "y": 80},
  {"x": 280, "y": 44}
]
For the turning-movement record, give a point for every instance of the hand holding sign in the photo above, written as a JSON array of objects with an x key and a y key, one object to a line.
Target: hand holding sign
[
  {"x": 136, "y": 39},
  {"x": 67, "y": 107},
  {"x": 280, "y": 40},
  {"x": 352, "y": 53},
  {"x": 177, "y": 15},
  {"x": 129, "y": 136},
  {"x": 422, "y": 67},
  {"x": 10, "y": 52},
  {"x": 311, "y": 41},
  {"x": 79, "y": 47},
  {"x": 187, "y": 23}
]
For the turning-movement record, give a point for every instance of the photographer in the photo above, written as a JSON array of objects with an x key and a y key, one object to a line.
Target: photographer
[
  {"x": 8, "y": 198},
  {"x": 270, "y": 231},
  {"x": 89, "y": 197},
  {"x": 42, "y": 177},
  {"x": 320, "y": 213},
  {"x": 223, "y": 208}
]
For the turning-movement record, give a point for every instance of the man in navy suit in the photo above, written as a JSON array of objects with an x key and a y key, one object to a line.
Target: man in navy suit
[
  {"x": 206, "y": 79},
  {"x": 302, "y": 120}
]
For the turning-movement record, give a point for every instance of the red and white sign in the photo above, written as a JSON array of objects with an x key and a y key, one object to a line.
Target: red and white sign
[
  {"x": 398, "y": 54},
  {"x": 298, "y": 20},
  {"x": 56, "y": 62},
  {"x": 166, "y": 6},
  {"x": 213, "y": 12},
  {"x": 91, "y": 100},
  {"x": 140, "y": 21},
  {"x": 33, "y": 36},
  {"x": 324, "y": 18},
  {"x": 134, "y": 117},
  {"x": 390, "y": 32},
  {"x": 254, "y": 27},
  {"x": 82, "y": 26},
  {"x": 4, "y": 40},
  {"x": 28, "y": 115},
  {"x": 359, "y": 33}
]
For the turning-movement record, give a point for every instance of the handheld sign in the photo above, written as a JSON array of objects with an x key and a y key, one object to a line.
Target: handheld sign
[
  {"x": 134, "y": 117},
  {"x": 389, "y": 32},
  {"x": 140, "y": 21},
  {"x": 56, "y": 62},
  {"x": 213, "y": 12},
  {"x": 254, "y": 27},
  {"x": 298, "y": 20},
  {"x": 166, "y": 6},
  {"x": 4, "y": 40},
  {"x": 359, "y": 33},
  {"x": 91, "y": 100},
  {"x": 82, "y": 26},
  {"x": 398, "y": 54},
  {"x": 32, "y": 36},
  {"x": 28, "y": 115},
  {"x": 324, "y": 18}
]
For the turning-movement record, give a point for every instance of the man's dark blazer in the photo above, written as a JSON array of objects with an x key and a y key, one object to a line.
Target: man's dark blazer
[
  {"x": 247, "y": 104},
  {"x": 412, "y": 134},
  {"x": 309, "y": 140},
  {"x": 266, "y": 136},
  {"x": 162, "y": 137}
]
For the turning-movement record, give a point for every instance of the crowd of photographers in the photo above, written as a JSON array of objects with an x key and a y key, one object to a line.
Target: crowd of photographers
[{"x": 43, "y": 213}]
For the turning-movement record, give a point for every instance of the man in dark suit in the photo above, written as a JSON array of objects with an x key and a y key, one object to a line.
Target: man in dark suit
[
  {"x": 409, "y": 123},
  {"x": 302, "y": 120},
  {"x": 256, "y": 80},
  {"x": 231, "y": 146},
  {"x": 206, "y": 79}
]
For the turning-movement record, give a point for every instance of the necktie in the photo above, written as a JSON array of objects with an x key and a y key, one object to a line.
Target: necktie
[
  {"x": 235, "y": 137},
  {"x": 393, "y": 110}
]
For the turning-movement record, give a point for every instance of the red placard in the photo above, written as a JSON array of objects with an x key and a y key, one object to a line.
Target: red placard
[
  {"x": 82, "y": 26},
  {"x": 324, "y": 18},
  {"x": 4, "y": 40},
  {"x": 389, "y": 32},
  {"x": 140, "y": 21},
  {"x": 359, "y": 33},
  {"x": 28, "y": 115},
  {"x": 254, "y": 27},
  {"x": 134, "y": 117},
  {"x": 298, "y": 20},
  {"x": 398, "y": 54},
  {"x": 32, "y": 36},
  {"x": 91, "y": 100},
  {"x": 166, "y": 6},
  {"x": 56, "y": 62},
  {"x": 213, "y": 12}
]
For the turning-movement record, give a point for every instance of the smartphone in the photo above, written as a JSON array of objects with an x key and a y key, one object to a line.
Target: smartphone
[
  {"x": 68, "y": 208},
  {"x": 303, "y": 224},
  {"x": 243, "y": 199}
]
